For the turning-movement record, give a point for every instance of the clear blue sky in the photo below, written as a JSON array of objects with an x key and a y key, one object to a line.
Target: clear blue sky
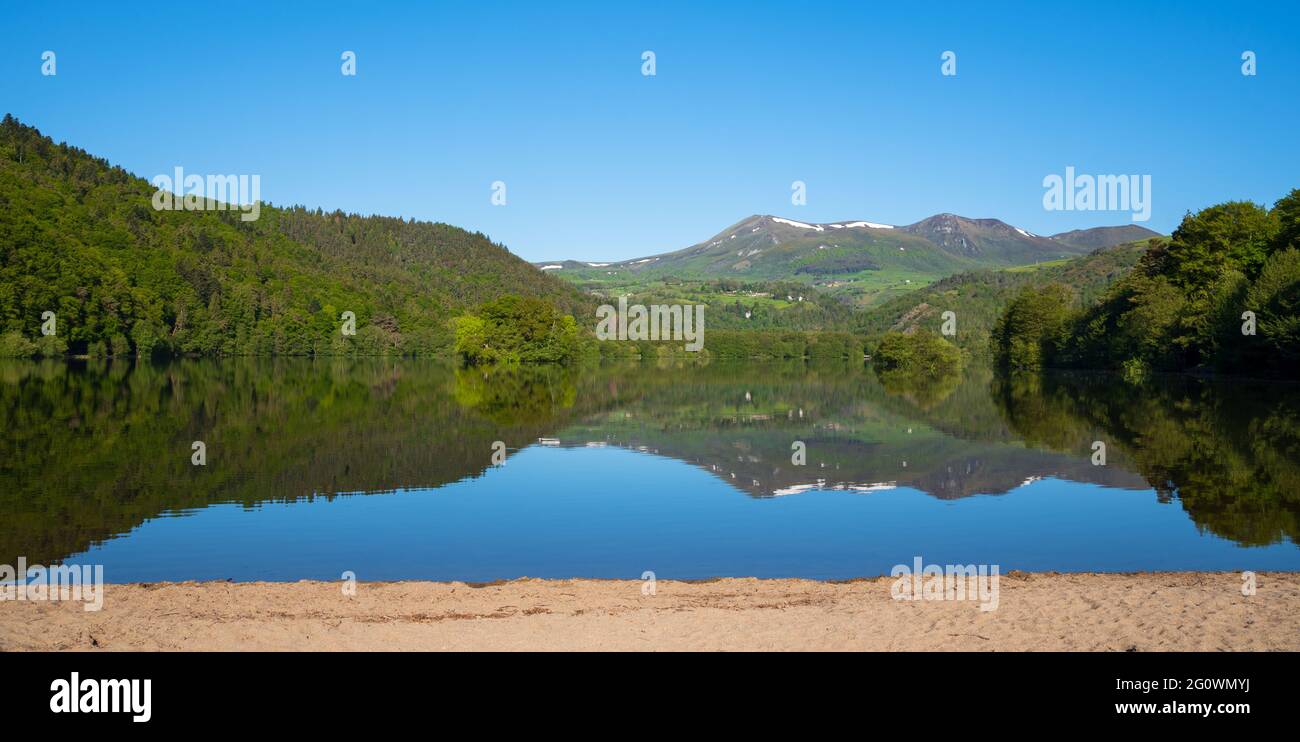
[{"x": 601, "y": 162}]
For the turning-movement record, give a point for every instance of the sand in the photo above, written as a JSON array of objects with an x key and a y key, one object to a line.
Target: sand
[{"x": 1113, "y": 612}]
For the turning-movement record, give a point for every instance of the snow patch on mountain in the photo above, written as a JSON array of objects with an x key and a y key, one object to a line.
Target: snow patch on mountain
[
  {"x": 840, "y": 225},
  {"x": 800, "y": 225},
  {"x": 856, "y": 225}
]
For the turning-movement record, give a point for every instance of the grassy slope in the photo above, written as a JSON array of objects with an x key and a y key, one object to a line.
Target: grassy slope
[
  {"x": 860, "y": 267},
  {"x": 761, "y": 266},
  {"x": 978, "y": 297}
]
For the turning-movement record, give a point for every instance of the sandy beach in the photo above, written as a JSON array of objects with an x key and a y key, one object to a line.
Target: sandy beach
[{"x": 1047, "y": 611}]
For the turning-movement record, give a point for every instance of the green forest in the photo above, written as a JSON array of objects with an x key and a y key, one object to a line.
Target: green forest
[
  {"x": 1222, "y": 294},
  {"x": 80, "y": 238},
  {"x": 978, "y": 298}
]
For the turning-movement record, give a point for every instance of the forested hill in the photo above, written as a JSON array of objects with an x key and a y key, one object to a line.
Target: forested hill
[
  {"x": 978, "y": 298},
  {"x": 81, "y": 238}
]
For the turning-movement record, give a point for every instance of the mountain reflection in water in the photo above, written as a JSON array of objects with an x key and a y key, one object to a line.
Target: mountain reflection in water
[{"x": 91, "y": 451}]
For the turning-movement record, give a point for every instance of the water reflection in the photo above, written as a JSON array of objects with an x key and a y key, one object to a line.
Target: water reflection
[
  {"x": 1229, "y": 451},
  {"x": 91, "y": 451}
]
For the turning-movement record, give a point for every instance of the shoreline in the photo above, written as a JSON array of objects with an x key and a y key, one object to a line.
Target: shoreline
[{"x": 1145, "y": 611}]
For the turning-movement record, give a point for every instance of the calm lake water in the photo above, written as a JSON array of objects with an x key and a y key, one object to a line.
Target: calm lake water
[{"x": 384, "y": 468}]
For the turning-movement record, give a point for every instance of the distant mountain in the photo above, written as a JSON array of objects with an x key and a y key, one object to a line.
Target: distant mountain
[
  {"x": 764, "y": 246},
  {"x": 1098, "y": 237},
  {"x": 989, "y": 241},
  {"x": 81, "y": 238},
  {"x": 869, "y": 261}
]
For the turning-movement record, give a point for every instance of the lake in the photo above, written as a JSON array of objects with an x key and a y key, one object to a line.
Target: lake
[{"x": 385, "y": 468}]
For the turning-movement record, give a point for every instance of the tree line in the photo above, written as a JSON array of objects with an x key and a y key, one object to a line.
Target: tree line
[{"x": 1222, "y": 294}]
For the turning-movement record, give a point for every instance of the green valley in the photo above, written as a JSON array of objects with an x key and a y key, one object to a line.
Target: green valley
[{"x": 768, "y": 272}]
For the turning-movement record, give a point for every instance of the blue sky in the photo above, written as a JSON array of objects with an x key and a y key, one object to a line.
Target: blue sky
[{"x": 601, "y": 162}]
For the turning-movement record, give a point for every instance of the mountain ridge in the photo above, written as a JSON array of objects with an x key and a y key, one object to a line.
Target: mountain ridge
[
  {"x": 859, "y": 261},
  {"x": 1091, "y": 238}
]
